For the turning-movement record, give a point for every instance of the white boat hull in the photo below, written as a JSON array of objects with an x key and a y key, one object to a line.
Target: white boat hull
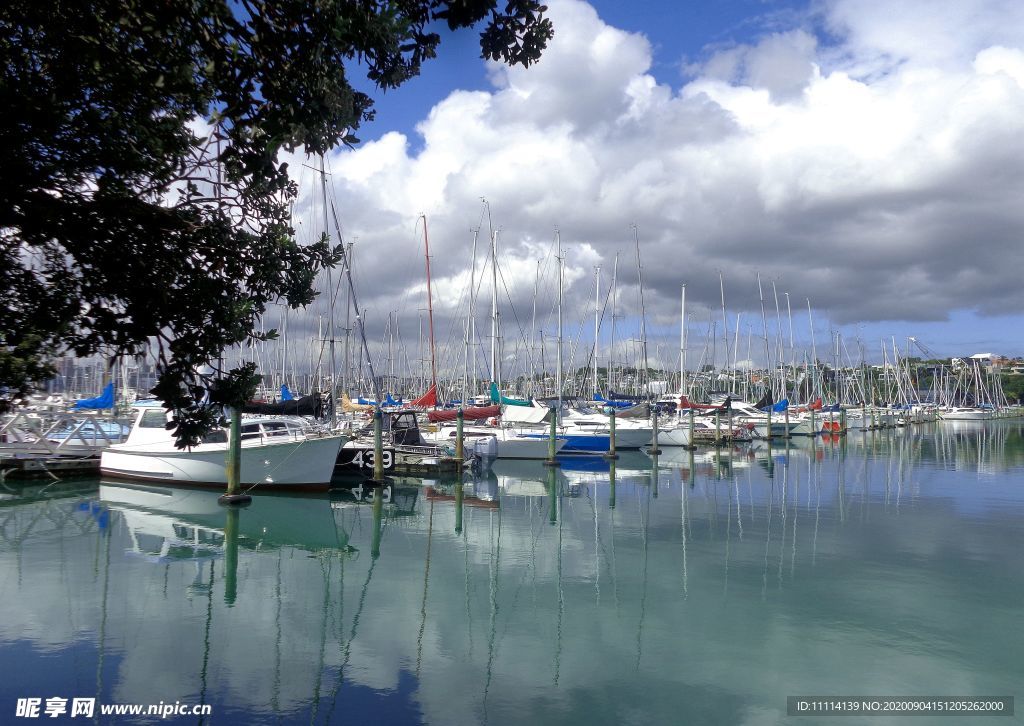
[
  {"x": 967, "y": 414},
  {"x": 305, "y": 463},
  {"x": 496, "y": 443},
  {"x": 678, "y": 435},
  {"x": 519, "y": 447},
  {"x": 474, "y": 442}
]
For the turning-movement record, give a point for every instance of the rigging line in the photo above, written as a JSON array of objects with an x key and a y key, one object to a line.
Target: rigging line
[
  {"x": 352, "y": 634},
  {"x": 508, "y": 296},
  {"x": 355, "y": 305},
  {"x": 279, "y": 465},
  {"x": 590, "y": 354}
]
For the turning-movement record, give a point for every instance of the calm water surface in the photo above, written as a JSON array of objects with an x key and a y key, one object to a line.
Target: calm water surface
[{"x": 703, "y": 590}]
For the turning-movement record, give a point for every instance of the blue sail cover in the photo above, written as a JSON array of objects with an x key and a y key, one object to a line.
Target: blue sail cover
[
  {"x": 781, "y": 406},
  {"x": 388, "y": 401},
  {"x": 614, "y": 404},
  {"x": 104, "y": 400},
  {"x": 286, "y": 395}
]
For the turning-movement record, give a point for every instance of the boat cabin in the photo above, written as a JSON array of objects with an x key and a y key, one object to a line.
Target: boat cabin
[{"x": 151, "y": 425}]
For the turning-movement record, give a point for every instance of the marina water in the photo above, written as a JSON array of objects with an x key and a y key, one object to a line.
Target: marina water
[{"x": 701, "y": 587}]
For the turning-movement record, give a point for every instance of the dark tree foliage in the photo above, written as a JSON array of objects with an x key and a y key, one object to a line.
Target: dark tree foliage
[{"x": 142, "y": 202}]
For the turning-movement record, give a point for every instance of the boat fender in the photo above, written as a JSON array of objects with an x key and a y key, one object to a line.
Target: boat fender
[{"x": 492, "y": 421}]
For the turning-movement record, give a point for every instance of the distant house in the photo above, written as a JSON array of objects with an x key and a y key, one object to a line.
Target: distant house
[{"x": 989, "y": 362}]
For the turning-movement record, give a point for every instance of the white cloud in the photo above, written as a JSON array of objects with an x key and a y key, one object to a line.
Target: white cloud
[
  {"x": 928, "y": 33},
  {"x": 875, "y": 171},
  {"x": 782, "y": 64}
]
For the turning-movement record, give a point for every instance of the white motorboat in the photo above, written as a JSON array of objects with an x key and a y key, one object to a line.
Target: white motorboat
[
  {"x": 277, "y": 452},
  {"x": 966, "y": 413}
]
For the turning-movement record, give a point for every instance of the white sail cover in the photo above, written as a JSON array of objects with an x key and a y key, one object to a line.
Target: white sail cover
[{"x": 524, "y": 414}]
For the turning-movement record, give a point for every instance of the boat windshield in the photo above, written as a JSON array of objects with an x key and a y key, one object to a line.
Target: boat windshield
[{"x": 155, "y": 419}]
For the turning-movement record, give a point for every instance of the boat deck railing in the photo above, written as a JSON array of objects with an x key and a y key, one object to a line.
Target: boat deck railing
[
  {"x": 69, "y": 434},
  {"x": 275, "y": 436}
]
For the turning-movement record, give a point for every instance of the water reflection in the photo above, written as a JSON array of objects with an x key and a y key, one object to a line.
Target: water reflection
[{"x": 698, "y": 586}]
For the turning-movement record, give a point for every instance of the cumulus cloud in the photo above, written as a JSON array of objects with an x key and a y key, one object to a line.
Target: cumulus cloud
[{"x": 868, "y": 160}]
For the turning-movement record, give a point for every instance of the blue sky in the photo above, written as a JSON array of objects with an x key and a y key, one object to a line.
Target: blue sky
[
  {"x": 677, "y": 32},
  {"x": 863, "y": 154}
]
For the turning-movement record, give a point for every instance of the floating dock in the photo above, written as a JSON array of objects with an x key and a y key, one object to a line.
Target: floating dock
[{"x": 43, "y": 465}]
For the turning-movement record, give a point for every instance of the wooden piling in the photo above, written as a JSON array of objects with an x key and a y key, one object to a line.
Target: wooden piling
[
  {"x": 378, "y": 445},
  {"x": 654, "y": 450},
  {"x": 233, "y": 469},
  {"x": 459, "y": 442},
  {"x": 611, "y": 436},
  {"x": 552, "y": 437}
]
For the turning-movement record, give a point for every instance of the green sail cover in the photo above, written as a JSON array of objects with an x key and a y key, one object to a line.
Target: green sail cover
[{"x": 496, "y": 398}]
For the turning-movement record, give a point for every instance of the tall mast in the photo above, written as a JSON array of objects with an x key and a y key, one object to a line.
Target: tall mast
[
  {"x": 764, "y": 325},
  {"x": 735, "y": 352},
  {"x": 725, "y": 320},
  {"x": 495, "y": 365},
  {"x": 346, "y": 368},
  {"x": 682, "y": 343},
  {"x": 391, "y": 350},
  {"x": 814, "y": 350},
  {"x": 330, "y": 286},
  {"x": 781, "y": 388},
  {"x": 597, "y": 318},
  {"x": 746, "y": 376},
  {"x": 792, "y": 354},
  {"x": 430, "y": 311},
  {"x": 465, "y": 376},
  {"x": 643, "y": 311},
  {"x": 533, "y": 329},
  {"x": 611, "y": 347},
  {"x": 471, "y": 335},
  {"x": 558, "y": 356},
  {"x": 284, "y": 348}
]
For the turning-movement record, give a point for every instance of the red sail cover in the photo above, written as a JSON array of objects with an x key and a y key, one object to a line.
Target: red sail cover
[
  {"x": 469, "y": 413},
  {"x": 427, "y": 399}
]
